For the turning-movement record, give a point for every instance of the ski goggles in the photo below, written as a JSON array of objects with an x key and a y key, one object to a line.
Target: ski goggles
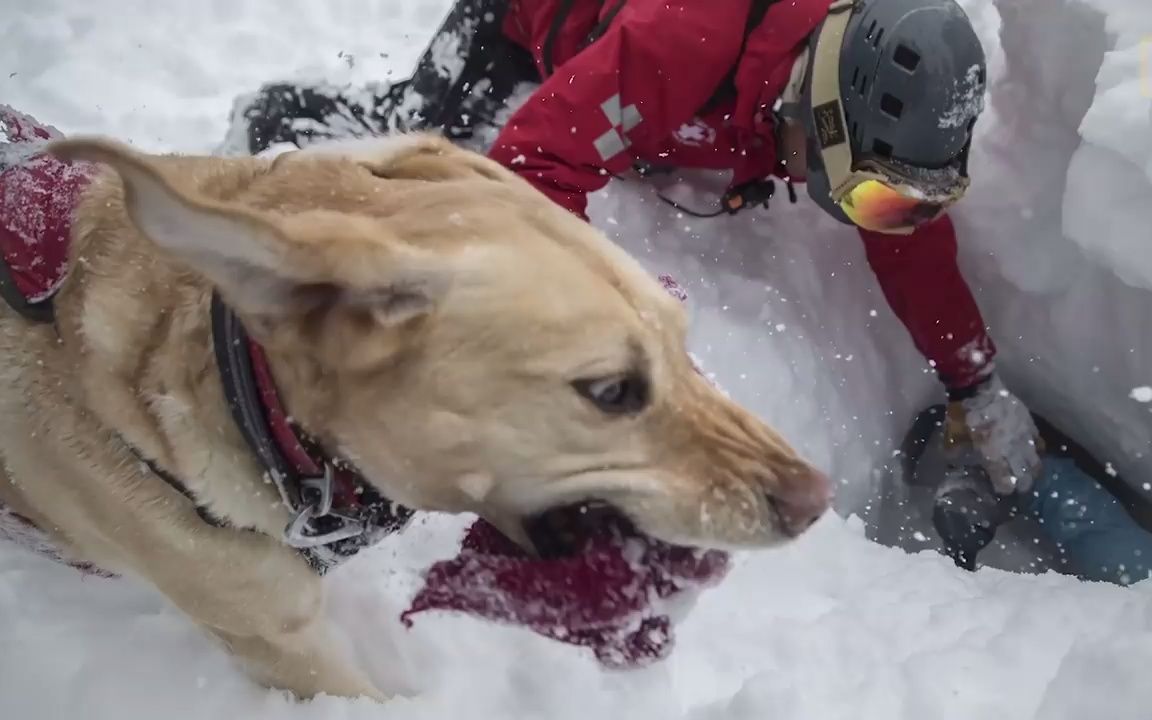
[
  {"x": 875, "y": 193},
  {"x": 877, "y": 198}
]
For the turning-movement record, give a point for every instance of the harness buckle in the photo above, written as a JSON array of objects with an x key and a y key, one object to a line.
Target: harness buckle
[
  {"x": 300, "y": 532},
  {"x": 319, "y": 485},
  {"x": 296, "y": 535}
]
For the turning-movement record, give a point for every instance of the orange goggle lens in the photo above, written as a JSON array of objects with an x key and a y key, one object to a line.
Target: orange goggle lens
[{"x": 875, "y": 205}]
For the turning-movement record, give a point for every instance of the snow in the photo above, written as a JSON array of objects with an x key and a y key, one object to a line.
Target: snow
[
  {"x": 1117, "y": 153},
  {"x": 967, "y": 101},
  {"x": 1053, "y": 238}
]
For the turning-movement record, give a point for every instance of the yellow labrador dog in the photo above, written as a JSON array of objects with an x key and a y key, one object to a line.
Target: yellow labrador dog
[{"x": 434, "y": 328}]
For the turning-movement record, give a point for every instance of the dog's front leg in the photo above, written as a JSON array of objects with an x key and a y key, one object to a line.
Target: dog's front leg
[
  {"x": 252, "y": 591},
  {"x": 305, "y": 662},
  {"x": 265, "y": 603}
]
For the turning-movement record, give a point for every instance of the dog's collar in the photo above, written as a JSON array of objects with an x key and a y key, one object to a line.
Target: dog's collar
[{"x": 335, "y": 511}]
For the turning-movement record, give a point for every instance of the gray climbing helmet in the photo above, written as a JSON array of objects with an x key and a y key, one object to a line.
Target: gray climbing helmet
[{"x": 912, "y": 76}]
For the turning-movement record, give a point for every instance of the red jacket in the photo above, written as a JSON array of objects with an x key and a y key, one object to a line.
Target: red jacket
[{"x": 635, "y": 94}]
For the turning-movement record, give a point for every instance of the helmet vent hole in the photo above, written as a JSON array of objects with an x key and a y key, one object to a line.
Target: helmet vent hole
[
  {"x": 864, "y": 86},
  {"x": 879, "y": 35},
  {"x": 907, "y": 58},
  {"x": 881, "y": 148},
  {"x": 891, "y": 106},
  {"x": 855, "y": 76},
  {"x": 853, "y": 126},
  {"x": 871, "y": 29}
]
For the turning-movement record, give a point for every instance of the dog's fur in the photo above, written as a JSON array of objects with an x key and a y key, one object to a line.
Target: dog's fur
[{"x": 425, "y": 313}]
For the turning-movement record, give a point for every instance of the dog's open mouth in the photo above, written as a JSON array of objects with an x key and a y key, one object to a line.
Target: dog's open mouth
[
  {"x": 596, "y": 581},
  {"x": 566, "y": 530},
  {"x": 572, "y": 531}
]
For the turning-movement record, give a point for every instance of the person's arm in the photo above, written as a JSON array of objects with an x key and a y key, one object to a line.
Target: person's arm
[
  {"x": 922, "y": 282},
  {"x": 923, "y": 285},
  {"x": 651, "y": 71}
]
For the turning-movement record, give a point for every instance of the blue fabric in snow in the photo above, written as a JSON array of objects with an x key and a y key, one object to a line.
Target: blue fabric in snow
[{"x": 1098, "y": 538}]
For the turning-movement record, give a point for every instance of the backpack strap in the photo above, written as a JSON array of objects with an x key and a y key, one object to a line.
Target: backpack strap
[
  {"x": 727, "y": 88},
  {"x": 558, "y": 20},
  {"x": 602, "y": 26}
]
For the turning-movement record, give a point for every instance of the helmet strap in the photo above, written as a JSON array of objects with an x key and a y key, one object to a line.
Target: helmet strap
[{"x": 827, "y": 107}]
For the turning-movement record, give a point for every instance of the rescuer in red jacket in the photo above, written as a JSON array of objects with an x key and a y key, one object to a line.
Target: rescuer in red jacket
[{"x": 871, "y": 104}]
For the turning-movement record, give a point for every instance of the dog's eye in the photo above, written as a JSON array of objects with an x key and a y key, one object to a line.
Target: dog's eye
[{"x": 617, "y": 394}]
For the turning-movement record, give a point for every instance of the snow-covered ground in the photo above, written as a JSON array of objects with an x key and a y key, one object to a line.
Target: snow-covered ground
[{"x": 1054, "y": 239}]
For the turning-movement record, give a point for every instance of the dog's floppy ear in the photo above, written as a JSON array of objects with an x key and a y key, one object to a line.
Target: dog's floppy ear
[
  {"x": 239, "y": 252},
  {"x": 263, "y": 265}
]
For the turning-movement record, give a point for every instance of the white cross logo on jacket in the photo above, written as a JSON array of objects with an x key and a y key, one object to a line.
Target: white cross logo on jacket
[{"x": 615, "y": 141}]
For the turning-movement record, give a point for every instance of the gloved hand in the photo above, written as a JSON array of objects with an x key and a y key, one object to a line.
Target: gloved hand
[{"x": 1000, "y": 429}]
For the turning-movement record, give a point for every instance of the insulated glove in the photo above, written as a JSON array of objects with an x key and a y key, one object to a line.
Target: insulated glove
[{"x": 1000, "y": 429}]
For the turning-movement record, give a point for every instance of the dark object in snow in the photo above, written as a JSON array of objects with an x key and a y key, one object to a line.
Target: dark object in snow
[
  {"x": 966, "y": 513},
  {"x": 599, "y": 588},
  {"x": 1101, "y": 524}
]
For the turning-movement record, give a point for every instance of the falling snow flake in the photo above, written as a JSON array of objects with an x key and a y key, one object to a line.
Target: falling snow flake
[{"x": 1141, "y": 394}]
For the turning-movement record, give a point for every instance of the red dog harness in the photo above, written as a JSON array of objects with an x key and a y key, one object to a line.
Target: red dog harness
[{"x": 37, "y": 194}]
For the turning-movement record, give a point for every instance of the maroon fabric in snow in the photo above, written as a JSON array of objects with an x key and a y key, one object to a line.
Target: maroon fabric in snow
[
  {"x": 37, "y": 196},
  {"x": 605, "y": 598}
]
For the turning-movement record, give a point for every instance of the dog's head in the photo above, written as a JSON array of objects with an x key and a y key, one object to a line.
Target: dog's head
[{"x": 467, "y": 343}]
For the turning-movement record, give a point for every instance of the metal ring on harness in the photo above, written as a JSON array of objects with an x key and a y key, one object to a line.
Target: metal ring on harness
[{"x": 320, "y": 506}]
